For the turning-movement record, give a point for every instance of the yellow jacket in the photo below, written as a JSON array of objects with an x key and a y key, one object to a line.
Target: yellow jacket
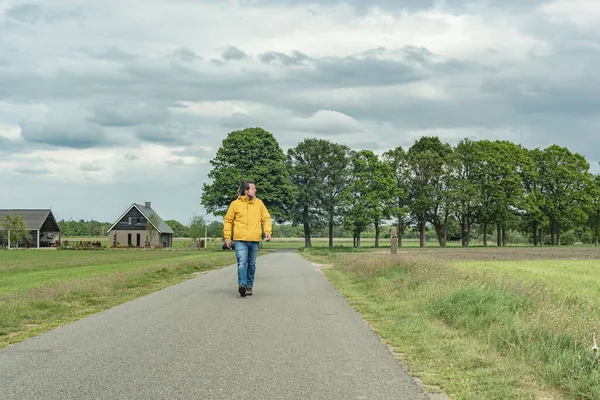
[{"x": 247, "y": 218}]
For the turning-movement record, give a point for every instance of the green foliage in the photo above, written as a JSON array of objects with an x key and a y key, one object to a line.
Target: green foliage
[
  {"x": 565, "y": 185},
  {"x": 215, "y": 229},
  {"x": 196, "y": 229},
  {"x": 250, "y": 154},
  {"x": 72, "y": 228},
  {"x": 398, "y": 161},
  {"x": 370, "y": 192},
  {"x": 179, "y": 229},
  {"x": 317, "y": 169},
  {"x": 13, "y": 229},
  {"x": 428, "y": 159}
]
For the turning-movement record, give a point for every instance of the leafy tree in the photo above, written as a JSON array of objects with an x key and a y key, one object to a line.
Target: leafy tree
[
  {"x": 215, "y": 229},
  {"x": 196, "y": 229},
  {"x": 249, "y": 154},
  {"x": 179, "y": 229},
  {"x": 334, "y": 173},
  {"x": 594, "y": 208},
  {"x": 14, "y": 229},
  {"x": 465, "y": 194},
  {"x": 565, "y": 179},
  {"x": 317, "y": 169},
  {"x": 304, "y": 164},
  {"x": 534, "y": 201},
  {"x": 498, "y": 168},
  {"x": 397, "y": 159},
  {"x": 428, "y": 157},
  {"x": 371, "y": 187},
  {"x": 72, "y": 228}
]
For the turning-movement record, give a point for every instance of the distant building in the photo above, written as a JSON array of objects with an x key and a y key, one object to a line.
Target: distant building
[
  {"x": 42, "y": 227},
  {"x": 130, "y": 228}
]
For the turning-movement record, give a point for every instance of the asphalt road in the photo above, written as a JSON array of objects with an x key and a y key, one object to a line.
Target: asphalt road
[{"x": 295, "y": 338}]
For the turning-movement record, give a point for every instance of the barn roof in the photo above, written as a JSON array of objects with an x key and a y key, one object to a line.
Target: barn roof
[{"x": 42, "y": 220}]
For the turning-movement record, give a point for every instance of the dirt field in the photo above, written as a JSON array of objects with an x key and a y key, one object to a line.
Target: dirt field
[{"x": 509, "y": 253}]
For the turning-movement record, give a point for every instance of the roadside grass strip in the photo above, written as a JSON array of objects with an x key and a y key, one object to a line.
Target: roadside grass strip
[{"x": 477, "y": 332}]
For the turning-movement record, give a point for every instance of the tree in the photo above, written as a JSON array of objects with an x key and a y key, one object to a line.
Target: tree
[
  {"x": 498, "y": 170},
  {"x": 335, "y": 177},
  {"x": 196, "y": 229},
  {"x": 249, "y": 154},
  {"x": 465, "y": 195},
  {"x": 316, "y": 168},
  {"x": 565, "y": 178},
  {"x": 397, "y": 159},
  {"x": 594, "y": 208},
  {"x": 534, "y": 218},
  {"x": 14, "y": 229},
  {"x": 215, "y": 229},
  {"x": 303, "y": 164},
  {"x": 427, "y": 160},
  {"x": 370, "y": 189},
  {"x": 151, "y": 229},
  {"x": 179, "y": 229}
]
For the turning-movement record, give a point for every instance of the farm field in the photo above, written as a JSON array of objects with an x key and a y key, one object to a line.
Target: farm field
[{"x": 485, "y": 323}]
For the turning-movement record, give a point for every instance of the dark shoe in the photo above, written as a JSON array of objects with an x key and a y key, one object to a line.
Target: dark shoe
[
  {"x": 249, "y": 292},
  {"x": 242, "y": 289}
]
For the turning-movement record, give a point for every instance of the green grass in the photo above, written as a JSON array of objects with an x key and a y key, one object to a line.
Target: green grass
[
  {"x": 480, "y": 330},
  {"x": 40, "y": 290},
  {"x": 576, "y": 277}
]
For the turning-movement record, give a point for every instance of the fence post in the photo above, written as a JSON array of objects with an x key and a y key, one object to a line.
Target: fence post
[{"x": 394, "y": 240}]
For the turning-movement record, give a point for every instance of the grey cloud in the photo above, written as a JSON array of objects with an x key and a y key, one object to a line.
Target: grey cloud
[
  {"x": 364, "y": 6},
  {"x": 30, "y": 13},
  {"x": 112, "y": 54},
  {"x": 196, "y": 152},
  {"x": 63, "y": 133},
  {"x": 32, "y": 170},
  {"x": 154, "y": 134},
  {"x": 297, "y": 57},
  {"x": 185, "y": 55},
  {"x": 27, "y": 13},
  {"x": 174, "y": 135},
  {"x": 233, "y": 53},
  {"x": 238, "y": 121},
  {"x": 356, "y": 72},
  {"x": 90, "y": 167},
  {"x": 128, "y": 114},
  {"x": 130, "y": 157}
]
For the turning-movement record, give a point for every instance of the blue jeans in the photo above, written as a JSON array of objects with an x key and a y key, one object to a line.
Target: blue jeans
[{"x": 246, "y": 258}]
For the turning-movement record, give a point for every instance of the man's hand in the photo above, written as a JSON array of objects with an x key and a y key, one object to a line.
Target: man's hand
[
  {"x": 268, "y": 237},
  {"x": 228, "y": 243}
]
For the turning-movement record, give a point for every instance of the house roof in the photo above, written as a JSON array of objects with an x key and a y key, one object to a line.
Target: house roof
[
  {"x": 35, "y": 219},
  {"x": 146, "y": 212}
]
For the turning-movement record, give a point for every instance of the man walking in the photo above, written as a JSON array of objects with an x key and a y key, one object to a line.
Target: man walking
[{"x": 248, "y": 217}]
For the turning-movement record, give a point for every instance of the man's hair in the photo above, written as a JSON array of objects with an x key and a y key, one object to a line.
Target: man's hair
[{"x": 244, "y": 186}]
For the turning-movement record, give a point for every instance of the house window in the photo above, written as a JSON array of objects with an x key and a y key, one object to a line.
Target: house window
[
  {"x": 138, "y": 220},
  {"x": 129, "y": 220}
]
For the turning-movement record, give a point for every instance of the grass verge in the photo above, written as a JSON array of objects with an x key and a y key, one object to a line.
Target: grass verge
[
  {"x": 476, "y": 334},
  {"x": 83, "y": 283}
]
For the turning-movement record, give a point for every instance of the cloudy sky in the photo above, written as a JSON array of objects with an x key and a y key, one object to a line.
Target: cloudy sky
[{"x": 107, "y": 103}]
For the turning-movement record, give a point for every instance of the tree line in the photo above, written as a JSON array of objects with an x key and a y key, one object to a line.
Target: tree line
[{"x": 486, "y": 186}]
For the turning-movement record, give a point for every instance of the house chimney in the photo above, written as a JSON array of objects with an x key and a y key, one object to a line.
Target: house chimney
[{"x": 148, "y": 204}]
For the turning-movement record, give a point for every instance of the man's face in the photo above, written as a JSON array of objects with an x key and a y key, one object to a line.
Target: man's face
[{"x": 251, "y": 191}]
